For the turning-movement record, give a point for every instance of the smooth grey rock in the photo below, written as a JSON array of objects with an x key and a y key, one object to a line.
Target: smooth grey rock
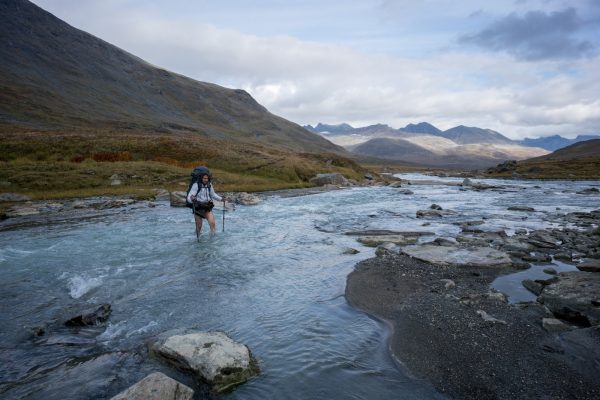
[
  {"x": 448, "y": 283},
  {"x": 554, "y": 325},
  {"x": 331, "y": 179},
  {"x": 550, "y": 271},
  {"x": 497, "y": 296},
  {"x": 488, "y": 318},
  {"x": 246, "y": 199},
  {"x": 22, "y": 211},
  {"x": 16, "y": 197},
  {"x": 115, "y": 180},
  {"x": 435, "y": 207},
  {"x": 449, "y": 255},
  {"x": 162, "y": 195},
  {"x": 467, "y": 182},
  {"x": 156, "y": 386},
  {"x": 534, "y": 287},
  {"x": 589, "y": 265},
  {"x": 350, "y": 250},
  {"x": 574, "y": 297},
  {"x": 374, "y": 241},
  {"x": 177, "y": 199},
  {"x": 211, "y": 356}
]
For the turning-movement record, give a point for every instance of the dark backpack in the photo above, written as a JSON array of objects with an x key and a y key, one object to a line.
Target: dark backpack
[{"x": 197, "y": 173}]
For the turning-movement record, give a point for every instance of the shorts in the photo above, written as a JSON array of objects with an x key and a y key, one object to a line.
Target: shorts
[{"x": 201, "y": 209}]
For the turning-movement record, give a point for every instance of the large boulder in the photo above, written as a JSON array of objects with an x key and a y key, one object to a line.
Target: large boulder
[
  {"x": 329, "y": 179},
  {"x": 177, "y": 199},
  {"x": 246, "y": 199},
  {"x": 450, "y": 255},
  {"x": 574, "y": 297},
  {"x": 156, "y": 386},
  {"x": 212, "y": 356}
]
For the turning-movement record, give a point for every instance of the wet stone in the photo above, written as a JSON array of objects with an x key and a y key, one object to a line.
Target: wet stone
[{"x": 156, "y": 386}]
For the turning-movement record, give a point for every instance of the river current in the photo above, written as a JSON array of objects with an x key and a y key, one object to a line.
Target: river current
[{"x": 274, "y": 280}]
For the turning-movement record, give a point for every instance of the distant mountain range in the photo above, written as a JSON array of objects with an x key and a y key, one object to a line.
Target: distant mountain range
[
  {"x": 555, "y": 142},
  {"x": 424, "y": 144},
  {"x": 56, "y": 77}
]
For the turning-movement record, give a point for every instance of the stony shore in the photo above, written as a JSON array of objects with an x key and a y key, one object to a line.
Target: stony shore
[{"x": 451, "y": 329}]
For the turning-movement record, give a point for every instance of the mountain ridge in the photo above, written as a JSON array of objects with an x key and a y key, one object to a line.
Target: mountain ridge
[{"x": 54, "y": 76}]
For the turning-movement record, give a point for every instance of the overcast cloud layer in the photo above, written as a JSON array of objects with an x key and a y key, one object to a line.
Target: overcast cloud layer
[{"x": 526, "y": 68}]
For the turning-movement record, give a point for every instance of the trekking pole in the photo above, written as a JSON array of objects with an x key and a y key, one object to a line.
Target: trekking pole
[
  {"x": 195, "y": 224},
  {"x": 223, "y": 215}
]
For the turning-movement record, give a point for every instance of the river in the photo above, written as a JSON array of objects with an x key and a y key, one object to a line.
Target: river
[{"x": 274, "y": 280}]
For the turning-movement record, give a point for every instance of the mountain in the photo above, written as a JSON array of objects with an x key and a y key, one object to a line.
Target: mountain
[
  {"x": 393, "y": 149},
  {"x": 324, "y": 128},
  {"x": 422, "y": 127},
  {"x": 424, "y": 144},
  {"x": 555, "y": 142},
  {"x": 55, "y": 77},
  {"x": 577, "y": 151},
  {"x": 465, "y": 135}
]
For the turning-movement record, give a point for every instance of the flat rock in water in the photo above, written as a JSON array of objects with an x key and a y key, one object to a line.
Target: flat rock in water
[
  {"x": 450, "y": 255},
  {"x": 521, "y": 208},
  {"x": 22, "y": 211},
  {"x": 212, "y": 356},
  {"x": 574, "y": 297},
  {"x": 374, "y": 238},
  {"x": 246, "y": 199},
  {"x": 91, "y": 317},
  {"x": 156, "y": 386},
  {"x": 374, "y": 241},
  {"x": 177, "y": 199}
]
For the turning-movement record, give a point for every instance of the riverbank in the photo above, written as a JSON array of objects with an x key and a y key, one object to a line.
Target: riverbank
[
  {"x": 442, "y": 335},
  {"x": 451, "y": 329}
]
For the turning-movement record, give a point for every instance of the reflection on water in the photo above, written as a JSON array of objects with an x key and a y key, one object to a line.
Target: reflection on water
[{"x": 274, "y": 281}]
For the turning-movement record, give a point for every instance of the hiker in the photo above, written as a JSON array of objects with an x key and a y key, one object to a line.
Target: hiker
[{"x": 202, "y": 196}]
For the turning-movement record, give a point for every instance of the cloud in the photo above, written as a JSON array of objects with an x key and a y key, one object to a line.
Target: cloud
[
  {"x": 535, "y": 36},
  {"x": 310, "y": 81}
]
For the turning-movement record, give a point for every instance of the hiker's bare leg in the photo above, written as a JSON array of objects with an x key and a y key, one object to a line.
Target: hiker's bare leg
[
  {"x": 210, "y": 217},
  {"x": 198, "y": 224}
]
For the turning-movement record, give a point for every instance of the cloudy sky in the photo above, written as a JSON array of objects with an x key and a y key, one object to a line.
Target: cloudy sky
[{"x": 526, "y": 68}]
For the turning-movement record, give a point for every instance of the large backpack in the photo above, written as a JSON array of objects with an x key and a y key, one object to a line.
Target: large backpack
[{"x": 197, "y": 173}]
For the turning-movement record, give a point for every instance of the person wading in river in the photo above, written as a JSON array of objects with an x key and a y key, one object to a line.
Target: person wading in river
[{"x": 201, "y": 195}]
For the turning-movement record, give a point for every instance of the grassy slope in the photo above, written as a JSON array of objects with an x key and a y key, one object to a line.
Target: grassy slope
[
  {"x": 577, "y": 161},
  {"x": 73, "y": 164}
]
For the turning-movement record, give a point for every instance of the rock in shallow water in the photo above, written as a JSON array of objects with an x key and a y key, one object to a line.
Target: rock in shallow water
[
  {"x": 156, "y": 386},
  {"x": 449, "y": 255},
  {"x": 91, "y": 317},
  {"x": 212, "y": 356}
]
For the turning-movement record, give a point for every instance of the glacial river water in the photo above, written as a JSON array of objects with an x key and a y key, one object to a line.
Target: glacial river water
[{"x": 274, "y": 280}]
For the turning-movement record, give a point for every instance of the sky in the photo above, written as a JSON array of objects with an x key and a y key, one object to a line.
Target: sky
[{"x": 524, "y": 68}]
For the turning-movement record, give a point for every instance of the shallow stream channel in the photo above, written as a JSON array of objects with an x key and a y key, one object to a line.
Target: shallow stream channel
[{"x": 274, "y": 281}]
